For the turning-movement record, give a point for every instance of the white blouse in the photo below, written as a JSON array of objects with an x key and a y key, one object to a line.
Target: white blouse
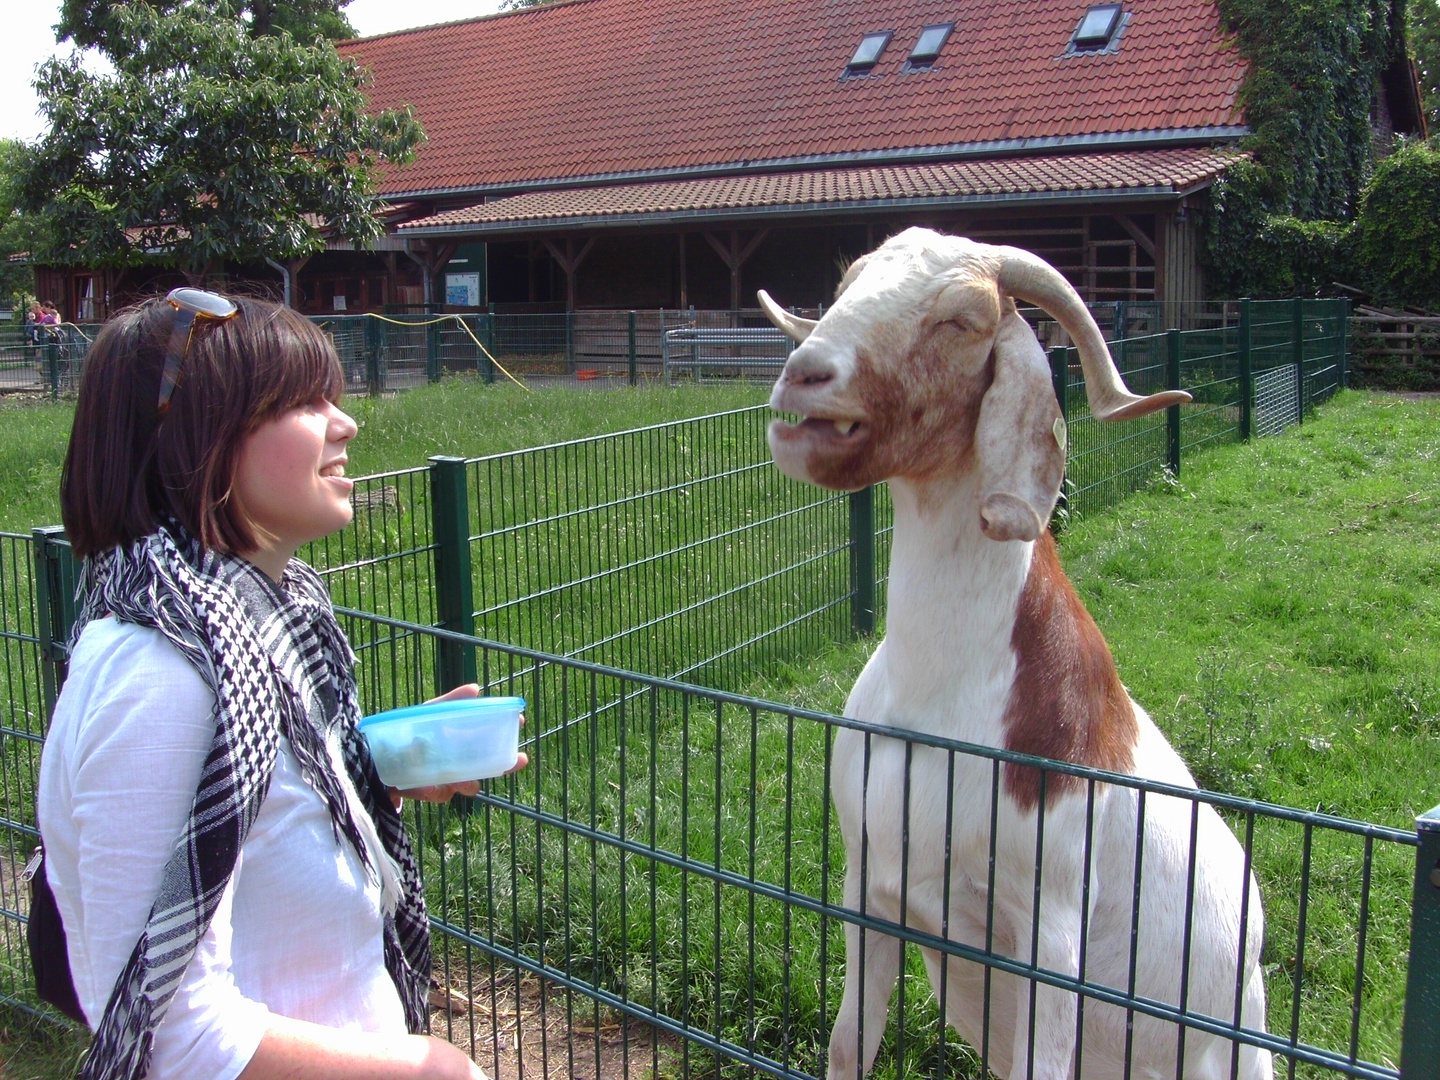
[{"x": 299, "y": 931}]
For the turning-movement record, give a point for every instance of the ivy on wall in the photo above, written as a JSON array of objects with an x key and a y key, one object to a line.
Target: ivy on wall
[{"x": 1314, "y": 69}]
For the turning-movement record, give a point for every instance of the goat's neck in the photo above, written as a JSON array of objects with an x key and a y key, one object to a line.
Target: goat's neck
[{"x": 953, "y": 591}]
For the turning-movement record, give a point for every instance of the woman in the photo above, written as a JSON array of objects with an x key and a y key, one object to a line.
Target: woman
[{"x": 238, "y": 893}]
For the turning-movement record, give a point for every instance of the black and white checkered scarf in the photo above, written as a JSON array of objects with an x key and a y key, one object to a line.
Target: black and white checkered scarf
[{"x": 280, "y": 667}]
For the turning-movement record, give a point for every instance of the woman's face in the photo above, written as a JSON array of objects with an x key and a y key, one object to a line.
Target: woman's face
[{"x": 291, "y": 481}]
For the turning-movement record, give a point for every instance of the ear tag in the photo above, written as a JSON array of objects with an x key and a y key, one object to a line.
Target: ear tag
[{"x": 1059, "y": 430}]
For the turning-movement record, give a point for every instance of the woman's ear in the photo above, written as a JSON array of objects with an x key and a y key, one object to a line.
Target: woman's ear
[{"x": 1019, "y": 439}]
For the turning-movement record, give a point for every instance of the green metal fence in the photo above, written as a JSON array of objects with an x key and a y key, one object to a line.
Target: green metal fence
[
  {"x": 660, "y": 889},
  {"x": 47, "y": 363},
  {"x": 668, "y": 870},
  {"x": 600, "y": 349},
  {"x": 679, "y": 551},
  {"x": 1255, "y": 375}
]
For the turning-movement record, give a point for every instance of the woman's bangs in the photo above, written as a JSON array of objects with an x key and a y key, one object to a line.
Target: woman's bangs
[{"x": 297, "y": 365}]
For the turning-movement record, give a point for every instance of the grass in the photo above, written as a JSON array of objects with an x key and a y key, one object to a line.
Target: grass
[
  {"x": 1276, "y": 612},
  {"x": 460, "y": 416},
  {"x": 32, "y": 1048}
]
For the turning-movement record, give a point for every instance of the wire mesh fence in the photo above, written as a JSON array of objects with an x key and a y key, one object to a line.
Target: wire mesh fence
[
  {"x": 384, "y": 353},
  {"x": 43, "y": 359},
  {"x": 666, "y": 880},
  {"x": 678, "y": 550},
  {"x": 665, "y": 886}
]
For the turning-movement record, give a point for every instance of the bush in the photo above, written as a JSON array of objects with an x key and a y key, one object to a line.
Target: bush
[
  {"x": 1253, "y": 252},
  {"x": 1398, "y": 246}
]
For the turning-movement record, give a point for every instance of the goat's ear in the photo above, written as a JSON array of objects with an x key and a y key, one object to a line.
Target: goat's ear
[{"x": 1019, "y": 439}]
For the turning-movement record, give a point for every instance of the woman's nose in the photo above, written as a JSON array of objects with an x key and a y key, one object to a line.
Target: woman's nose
[{"x": 342, "y": 425}]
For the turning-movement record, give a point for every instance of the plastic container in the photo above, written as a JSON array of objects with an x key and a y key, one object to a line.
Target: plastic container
[{"x": 445, "y": 742}]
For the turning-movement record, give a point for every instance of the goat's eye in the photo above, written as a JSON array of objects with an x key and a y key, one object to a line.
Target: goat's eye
[{"x": 959, "y": 324}]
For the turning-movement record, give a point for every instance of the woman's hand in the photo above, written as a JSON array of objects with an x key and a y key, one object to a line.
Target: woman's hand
[{"x": 443, "y": 793}]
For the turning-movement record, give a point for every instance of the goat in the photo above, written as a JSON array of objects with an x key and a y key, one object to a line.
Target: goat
[{"x": 924, "y": 374}]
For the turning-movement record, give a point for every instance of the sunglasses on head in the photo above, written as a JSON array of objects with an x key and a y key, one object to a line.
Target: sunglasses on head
[{"x": 189, "y": 305}]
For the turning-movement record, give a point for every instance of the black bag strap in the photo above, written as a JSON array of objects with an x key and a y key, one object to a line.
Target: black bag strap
[{"x": 45, "y": 934}]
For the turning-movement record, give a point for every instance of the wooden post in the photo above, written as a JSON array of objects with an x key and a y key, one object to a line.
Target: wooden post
[
  {"x": 734, "y": 257},
  {"x": 569, "y": 261}
]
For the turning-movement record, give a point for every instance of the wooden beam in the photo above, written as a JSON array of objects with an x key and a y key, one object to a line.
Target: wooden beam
[
  {"x": 569, "y": 261},
  {"x": 1147, "y": 245},
  {"x": 725, "y": 251},
  {"x": 684, "y": 284},
  {"x": 734, "y": 257}
]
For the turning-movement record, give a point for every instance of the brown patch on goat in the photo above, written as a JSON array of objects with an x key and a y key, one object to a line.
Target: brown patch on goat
[{"x": 1067, "y": 701}]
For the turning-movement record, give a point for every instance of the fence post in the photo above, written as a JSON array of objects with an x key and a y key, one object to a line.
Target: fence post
[
  {"x": 454, "y": 590},
  {"x": 862, "y": 560},
  {"x": 632, "y": 348},
  {"x": 1420, "y": 1037},
  {"x": 432, "y": 352},
  {"x": 569, "y": 341},
  {"x": 52, "y": 364},
  {"x": 1297, "y": 333},
  {"x": 1344, "y": 305},
  {"x": 1172, "y": 414},
  {"x": 55, "y": 578},
  {"x": 1247, "y": 378}
]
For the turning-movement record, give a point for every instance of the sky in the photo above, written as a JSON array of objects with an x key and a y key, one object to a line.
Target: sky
[{"x": 28, "y": 28}]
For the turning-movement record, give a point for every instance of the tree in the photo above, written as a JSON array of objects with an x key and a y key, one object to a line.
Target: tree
[
  {"x": 20, "y": 233},
  {"x": 93, "y": 22},
  {"x": 1425, "y": 42},
  {"x": 207, "y": 144}
]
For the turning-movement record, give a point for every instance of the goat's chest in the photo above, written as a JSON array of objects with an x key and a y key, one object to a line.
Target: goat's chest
[{"x": 934, "y": 805}]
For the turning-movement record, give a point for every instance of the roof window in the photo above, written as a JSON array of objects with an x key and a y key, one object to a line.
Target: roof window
[
  {"x": 867, "y": 53},
  {"x": 1097, "y": 29},
  {"x": 928, "y": 45}
]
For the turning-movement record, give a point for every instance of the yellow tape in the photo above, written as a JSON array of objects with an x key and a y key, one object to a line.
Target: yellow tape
[{"x": 478, "y": 344}]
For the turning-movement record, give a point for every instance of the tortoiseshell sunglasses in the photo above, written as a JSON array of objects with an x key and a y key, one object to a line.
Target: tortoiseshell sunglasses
[{"x": 189, "y": 305}]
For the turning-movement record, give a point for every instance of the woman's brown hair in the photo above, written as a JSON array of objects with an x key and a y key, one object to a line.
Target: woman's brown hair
[{"x": 126, "y": 469}]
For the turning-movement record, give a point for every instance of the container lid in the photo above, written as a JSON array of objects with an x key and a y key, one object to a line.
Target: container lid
[{"x": 436, "y": 708}]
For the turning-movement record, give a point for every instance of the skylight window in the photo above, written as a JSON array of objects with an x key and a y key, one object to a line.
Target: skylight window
[
  {"x": 929, "y": 44},
  {"x": 867, "y": 53},
  {"x": 1097, "y": 28}
]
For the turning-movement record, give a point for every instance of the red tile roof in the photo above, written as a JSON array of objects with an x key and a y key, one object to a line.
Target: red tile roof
[
  {"x": 1120, "y": 173},
  {"x": 605, "y": 87}
]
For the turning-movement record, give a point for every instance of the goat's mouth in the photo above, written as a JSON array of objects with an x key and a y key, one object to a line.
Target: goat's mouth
[{"x": 833, "y": 430}]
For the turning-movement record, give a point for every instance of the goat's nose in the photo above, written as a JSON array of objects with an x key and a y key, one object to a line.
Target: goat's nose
[{"x": 807, "y": 369}]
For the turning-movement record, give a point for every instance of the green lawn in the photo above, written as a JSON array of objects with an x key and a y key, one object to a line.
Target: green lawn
[
  {"x": 460, "y": 416},
  {"x": 1275, "y": 610}
]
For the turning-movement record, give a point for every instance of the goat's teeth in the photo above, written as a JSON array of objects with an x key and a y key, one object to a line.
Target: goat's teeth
[{"x": 844, "y": 426}]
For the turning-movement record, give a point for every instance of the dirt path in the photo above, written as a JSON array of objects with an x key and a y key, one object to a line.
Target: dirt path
[{"x": 545, "y": 1031}]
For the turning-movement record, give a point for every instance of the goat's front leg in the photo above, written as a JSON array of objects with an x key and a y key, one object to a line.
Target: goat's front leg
[
  {"x": 872, "y": 966},
  {"x": 1045, "y": 1030}
]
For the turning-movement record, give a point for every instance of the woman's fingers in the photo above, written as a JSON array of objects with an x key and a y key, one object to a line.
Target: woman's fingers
[{"x": 464, "y": 690}]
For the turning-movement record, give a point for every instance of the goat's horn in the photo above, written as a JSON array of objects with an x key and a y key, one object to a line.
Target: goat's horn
[
  {"x": 1034, "y": 280},
  {"x": 793, "y": 325}
]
